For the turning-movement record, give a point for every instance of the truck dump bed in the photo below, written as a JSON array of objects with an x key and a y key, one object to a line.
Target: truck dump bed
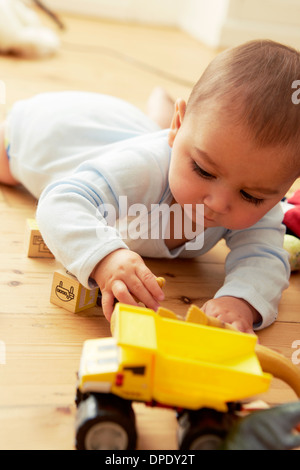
[{"x": 194, "y": 365}]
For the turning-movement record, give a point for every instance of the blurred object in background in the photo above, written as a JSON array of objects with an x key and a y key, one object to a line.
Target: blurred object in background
[
  {"x": 22, "y": 33},
  {"x": 50, "y": 13}
]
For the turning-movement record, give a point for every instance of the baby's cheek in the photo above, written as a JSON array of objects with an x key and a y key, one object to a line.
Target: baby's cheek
[{"x": 245, "y": 219}]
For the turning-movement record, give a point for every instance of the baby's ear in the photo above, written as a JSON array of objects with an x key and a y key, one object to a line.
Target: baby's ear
[{"x": 179, "y": 112}]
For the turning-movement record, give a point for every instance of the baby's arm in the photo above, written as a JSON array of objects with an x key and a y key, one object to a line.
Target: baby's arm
[
  {"x": 78, "y": 236},
  {"x": 70, "y": 215},
  {"x": 257, "y": 271}
]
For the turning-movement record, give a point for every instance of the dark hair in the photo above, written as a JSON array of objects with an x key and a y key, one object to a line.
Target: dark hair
[{"x": 253, "y": 82}]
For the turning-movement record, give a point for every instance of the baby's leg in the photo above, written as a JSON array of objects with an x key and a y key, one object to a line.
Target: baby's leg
[
  {"x": 160, "y": 107},
  {"x": 5, "y": 174}
]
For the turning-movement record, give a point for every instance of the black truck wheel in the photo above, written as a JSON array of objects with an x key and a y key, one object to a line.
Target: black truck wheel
[
  {"x": 105, "y": 422},
  {"x": 202, "y": 430}
]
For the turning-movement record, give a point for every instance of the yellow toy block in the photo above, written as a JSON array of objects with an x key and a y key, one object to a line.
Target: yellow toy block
[
  {"x": 34, "y": 243},
  {"x": 68, "y": 293}
]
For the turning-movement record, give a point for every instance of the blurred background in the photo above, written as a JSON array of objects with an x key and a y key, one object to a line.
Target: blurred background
[
  {"x": 218, "y": 23},
  {"x": 127, "y": 47}
]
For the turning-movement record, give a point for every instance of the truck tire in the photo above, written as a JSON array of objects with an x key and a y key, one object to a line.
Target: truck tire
[
  {"x": 105, "y": 422},
  {"x": 201, "y": 430}
]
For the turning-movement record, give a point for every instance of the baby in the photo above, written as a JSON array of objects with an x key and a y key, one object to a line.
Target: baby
[{"x": 114, "y": 187}]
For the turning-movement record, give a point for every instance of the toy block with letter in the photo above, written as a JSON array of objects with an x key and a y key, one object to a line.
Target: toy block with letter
[
  {"x": 68, "y": 293},
  {"x": 34, "y": 243}
]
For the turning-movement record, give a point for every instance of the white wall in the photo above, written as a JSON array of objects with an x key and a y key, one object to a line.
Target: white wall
[
  {"x": 204, "y": 19},
  {"x": 217, "y": 23},
  {"x": 274, "y": 19}
]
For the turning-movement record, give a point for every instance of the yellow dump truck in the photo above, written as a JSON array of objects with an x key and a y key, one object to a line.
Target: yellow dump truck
[{"x": 202, "y": 370}]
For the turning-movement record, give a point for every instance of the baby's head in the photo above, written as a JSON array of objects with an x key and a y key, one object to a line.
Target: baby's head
[
  {"x": 255, "y": 84},
  {"x": 240, "y": 129}
]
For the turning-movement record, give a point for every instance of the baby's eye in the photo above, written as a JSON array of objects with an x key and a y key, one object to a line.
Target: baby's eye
[
  {"x": 253, "y": 200},
  {"x": 201, "y": 172}
]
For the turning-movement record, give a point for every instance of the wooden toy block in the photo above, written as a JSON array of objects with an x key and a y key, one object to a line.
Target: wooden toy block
[
  {"x": 68, "y": 293},
  {"x": 34, "y": 243}
]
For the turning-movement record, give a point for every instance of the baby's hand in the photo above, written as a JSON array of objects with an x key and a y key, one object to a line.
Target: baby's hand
[
  {"x": 123, "y": 275},
  {"x": 234, "y": 311}
]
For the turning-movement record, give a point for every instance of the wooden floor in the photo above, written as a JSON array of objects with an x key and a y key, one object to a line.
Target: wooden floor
[{"x": 42, "y": 343}]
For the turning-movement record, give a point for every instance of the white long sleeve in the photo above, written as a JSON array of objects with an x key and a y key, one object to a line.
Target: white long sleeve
[{"x": 69, "y": 210}]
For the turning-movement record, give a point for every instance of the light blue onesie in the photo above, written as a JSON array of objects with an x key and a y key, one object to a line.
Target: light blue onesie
[{"x": 79, "y": 152}]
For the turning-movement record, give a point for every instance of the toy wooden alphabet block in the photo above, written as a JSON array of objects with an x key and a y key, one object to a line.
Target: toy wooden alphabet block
[
  {"x": 67, "y": 292},
  {"x": 34, "y": 243}
]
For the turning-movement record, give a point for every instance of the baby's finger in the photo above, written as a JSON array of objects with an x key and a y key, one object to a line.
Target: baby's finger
[
  {"x": 243, "y": 327},
  {"x": 107, "y": 303},
  {"x": 150, "y": 282},
  {"x": 141, "y": 294},
  {"x": 122, "y": 293}
]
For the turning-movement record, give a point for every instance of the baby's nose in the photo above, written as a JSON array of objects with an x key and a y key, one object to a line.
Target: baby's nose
[{"x": 218, "y": 202}]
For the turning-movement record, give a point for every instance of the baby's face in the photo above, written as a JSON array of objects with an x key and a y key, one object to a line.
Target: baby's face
[{"x": 218, "y": 165}]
